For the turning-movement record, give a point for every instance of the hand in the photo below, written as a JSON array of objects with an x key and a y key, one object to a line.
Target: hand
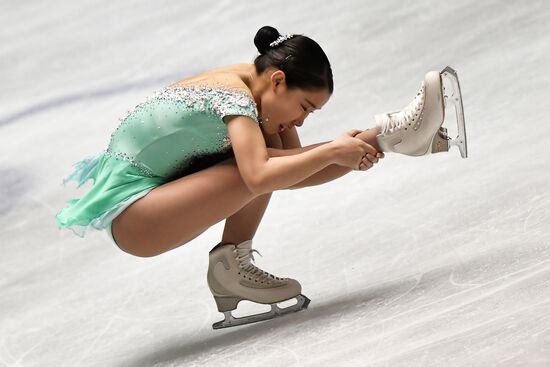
[
  {"x": 369, "y": 160},
  {"x": 353, "y": 152}
]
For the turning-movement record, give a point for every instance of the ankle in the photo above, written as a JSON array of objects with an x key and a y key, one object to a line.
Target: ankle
[
  {"x": 223, "y": 243},
  {"x": 369, "y": 137}
]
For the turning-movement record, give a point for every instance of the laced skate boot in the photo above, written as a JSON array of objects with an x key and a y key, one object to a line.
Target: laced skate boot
[
  {"x": 418, "y": 127},
  {"x": 232, "y": 278},
  {"x": 412, "y": 131}
]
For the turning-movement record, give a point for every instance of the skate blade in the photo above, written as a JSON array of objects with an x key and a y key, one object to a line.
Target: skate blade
[
  {"x": 442, "y": 142},
  {"x": 276, "y": 311}
]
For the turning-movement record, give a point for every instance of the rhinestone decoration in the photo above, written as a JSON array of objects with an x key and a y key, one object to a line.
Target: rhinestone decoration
[
  {"x": 281, "y": 39},
  {"x": 197, "y": 97},
  {"x": 135, "y": 163},
  {"x": 217, "y": 101}
]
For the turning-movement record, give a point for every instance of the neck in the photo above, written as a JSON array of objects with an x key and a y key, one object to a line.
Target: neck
[{"x": 256, "y": 84}]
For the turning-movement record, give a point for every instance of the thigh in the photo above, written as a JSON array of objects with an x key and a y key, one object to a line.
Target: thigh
[{"x": 178, "y": 211}]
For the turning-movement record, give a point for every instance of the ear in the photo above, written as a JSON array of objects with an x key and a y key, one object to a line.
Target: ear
[{"x": 278, "y": 77}]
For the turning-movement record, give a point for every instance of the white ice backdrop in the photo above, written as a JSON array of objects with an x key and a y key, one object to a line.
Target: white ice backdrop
[{"x": 432, "y": 261}]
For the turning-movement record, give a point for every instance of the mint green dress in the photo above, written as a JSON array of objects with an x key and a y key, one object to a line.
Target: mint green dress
[{"x": 175, "y": 132}]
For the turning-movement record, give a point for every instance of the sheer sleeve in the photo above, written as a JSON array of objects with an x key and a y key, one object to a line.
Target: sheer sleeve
[
  {"x": 238, "y": 103},
  {"x": 231, "y": 96}
]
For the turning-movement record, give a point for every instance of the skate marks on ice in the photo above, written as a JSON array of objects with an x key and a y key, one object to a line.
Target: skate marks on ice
[
  {"x": 434, "y": 318},
  {"x": 14, "y": 183},
  {"x": 261, "y": 335},
  {"x": 462, "y": 308}
]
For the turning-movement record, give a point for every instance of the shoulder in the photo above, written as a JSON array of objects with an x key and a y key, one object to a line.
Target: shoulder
[
  {"x": 219, "y": 79},
  {"x": 232, "y": 95},
  {"x": 235, "y": 98},
  {"x": 233, "y": 82}
]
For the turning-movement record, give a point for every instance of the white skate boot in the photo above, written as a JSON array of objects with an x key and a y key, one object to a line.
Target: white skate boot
[
  {"x": 417, "y": 129},
  {"x": 232, "y": 278}
]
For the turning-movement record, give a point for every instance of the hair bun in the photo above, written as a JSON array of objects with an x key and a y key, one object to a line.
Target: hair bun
[{"x": 264, "y": 37}]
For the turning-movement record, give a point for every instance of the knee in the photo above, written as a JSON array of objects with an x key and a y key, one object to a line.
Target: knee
[
  {"x": 234, "y": 175},
  {"x": 140, "y": 250},
  {"x": 128, "y": 243},
  {"x": 136, "y": 253},
  {"x": 274, "y": 141}
]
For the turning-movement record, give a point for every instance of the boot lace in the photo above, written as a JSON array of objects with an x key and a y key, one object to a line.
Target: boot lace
[
  {"x": 244, "y": 256},
  {"x": 389, "y": 122}
]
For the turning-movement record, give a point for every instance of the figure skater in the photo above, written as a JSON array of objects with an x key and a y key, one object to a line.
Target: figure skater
[{"x": 216, "y": 145}]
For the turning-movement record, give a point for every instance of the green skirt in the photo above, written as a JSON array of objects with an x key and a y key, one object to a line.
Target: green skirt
[{"x": 116, "y": 185}]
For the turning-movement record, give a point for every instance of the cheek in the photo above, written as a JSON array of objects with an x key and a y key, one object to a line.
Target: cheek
[
  {"x": 275, "y": 110},
  {"x": 287, "y": 111},
  {"x": 282, "y": 111}
]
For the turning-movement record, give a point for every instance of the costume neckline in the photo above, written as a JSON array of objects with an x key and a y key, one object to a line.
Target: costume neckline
[{"x": 226, "y": 89}]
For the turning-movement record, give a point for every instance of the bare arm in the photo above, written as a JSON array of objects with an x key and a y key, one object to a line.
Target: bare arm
[
  {"x": 283, "y": 172},
  {"x": 262, "y": 173},
  {"x": 274, "y": 152},
  {"x": 329, "y": 173}
]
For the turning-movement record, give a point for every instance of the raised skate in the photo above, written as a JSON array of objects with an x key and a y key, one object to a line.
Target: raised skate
[
  {"x": 417, "y": 129},
  {"x": 232, "y": 278}
]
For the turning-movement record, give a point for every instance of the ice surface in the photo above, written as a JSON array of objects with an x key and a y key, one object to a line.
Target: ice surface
[{"x": 433, "y": 261}]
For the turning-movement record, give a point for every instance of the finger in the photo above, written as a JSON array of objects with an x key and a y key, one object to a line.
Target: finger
[
  {"x": 354, "y": 132},
  {"x": 363, "y": 166},
  {"x": 380, "y": 155},
  {"x": 366, "y": 167},
  {"x": 369, "y": 148},
  {"x": 372, "y": 158}
]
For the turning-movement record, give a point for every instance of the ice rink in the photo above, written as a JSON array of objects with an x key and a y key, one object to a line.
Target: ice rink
[{"x": 431, "y": 261}]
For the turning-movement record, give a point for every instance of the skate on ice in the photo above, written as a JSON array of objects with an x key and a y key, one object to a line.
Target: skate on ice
[
  {"x": 417, "y": 129},
  {"x": 232, "y": 277}
]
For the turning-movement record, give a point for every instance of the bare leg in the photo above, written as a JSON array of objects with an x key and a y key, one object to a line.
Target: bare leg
[
  {"x": 369, "y": 137},
  {"x": 242, "y": 225},
  {"x": 180, "y": 210}
]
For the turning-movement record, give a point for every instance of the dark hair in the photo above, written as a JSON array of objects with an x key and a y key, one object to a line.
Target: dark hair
[{"x": 304, "y": 63}]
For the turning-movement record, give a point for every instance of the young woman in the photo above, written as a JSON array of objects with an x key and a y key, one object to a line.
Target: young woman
[{"x": 216, "y": 145}]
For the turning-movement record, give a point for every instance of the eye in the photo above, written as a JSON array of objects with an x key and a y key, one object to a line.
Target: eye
[{"x": 305, "y": 109}]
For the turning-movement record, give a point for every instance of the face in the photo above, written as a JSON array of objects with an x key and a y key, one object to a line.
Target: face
[{"x": 288, "y": 107}]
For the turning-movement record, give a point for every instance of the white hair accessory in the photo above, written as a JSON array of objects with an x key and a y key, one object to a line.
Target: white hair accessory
[{"x": 281, "y": 39}]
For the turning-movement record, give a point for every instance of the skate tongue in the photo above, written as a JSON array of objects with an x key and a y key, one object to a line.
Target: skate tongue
[
  {"x": 385, "y": 122},
  {"x": 245, "y": 244},
  {"x": 380, "y": 120},
  {"x": 245, "y": 255},
  {"x": 245, "y": 251}
]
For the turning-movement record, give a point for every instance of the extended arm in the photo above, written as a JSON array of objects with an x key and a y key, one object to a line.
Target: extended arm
[
  {"x": 262, "y": 173},
  {"x": 291, "y": 145},
  {"x": 327, "y": 174}
]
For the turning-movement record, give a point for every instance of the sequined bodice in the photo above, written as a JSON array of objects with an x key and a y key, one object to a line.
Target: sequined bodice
[{"x": 161, "y": 135}]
